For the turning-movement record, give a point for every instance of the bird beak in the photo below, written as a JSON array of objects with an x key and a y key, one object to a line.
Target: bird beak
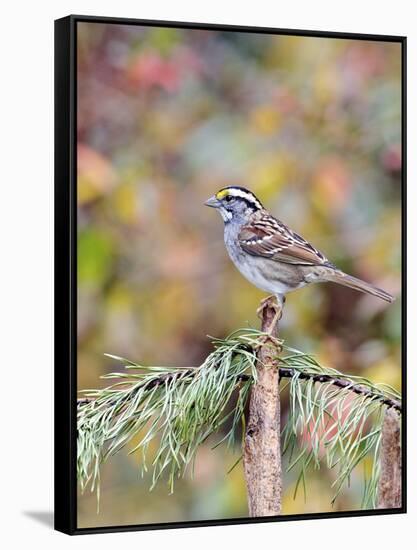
[{"x": 213, "y": 202}]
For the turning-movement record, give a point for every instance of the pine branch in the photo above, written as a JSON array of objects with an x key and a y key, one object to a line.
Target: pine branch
[
  {"x": 344, "y": 383},
  {"x": 183, "y": 407},
  {"x": 287, "y": 372}
]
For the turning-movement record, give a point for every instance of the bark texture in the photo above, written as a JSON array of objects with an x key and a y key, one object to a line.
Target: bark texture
[
  {"x": 262, "y": 449},
  {"x": 389, "y": 487}
]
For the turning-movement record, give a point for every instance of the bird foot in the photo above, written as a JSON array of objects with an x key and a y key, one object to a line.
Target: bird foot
[
  {"x": 276, "y": 305},
  {"x": 271, "y": 302}
]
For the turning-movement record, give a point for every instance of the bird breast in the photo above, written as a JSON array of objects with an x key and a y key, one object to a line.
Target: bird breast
[{"x": 265, "y": 274}]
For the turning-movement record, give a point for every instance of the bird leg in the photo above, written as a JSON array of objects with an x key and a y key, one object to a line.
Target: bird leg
[{"x": 275, "y": 305}]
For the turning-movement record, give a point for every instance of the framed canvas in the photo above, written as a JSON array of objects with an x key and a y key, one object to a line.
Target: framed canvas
[{"x": 243, "y": 362}]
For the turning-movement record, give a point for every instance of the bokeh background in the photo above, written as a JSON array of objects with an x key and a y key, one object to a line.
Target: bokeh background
[{"x": 165, "y": 118}]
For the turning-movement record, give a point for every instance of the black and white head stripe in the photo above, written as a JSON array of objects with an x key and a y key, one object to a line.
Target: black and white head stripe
[{"x": 241, "y": 193}]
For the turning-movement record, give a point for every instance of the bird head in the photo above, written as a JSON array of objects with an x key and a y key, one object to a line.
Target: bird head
[{"x": 234, "y": 203}]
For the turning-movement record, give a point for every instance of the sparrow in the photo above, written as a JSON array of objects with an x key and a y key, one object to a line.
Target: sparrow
[{"x": 271, "y": 255}]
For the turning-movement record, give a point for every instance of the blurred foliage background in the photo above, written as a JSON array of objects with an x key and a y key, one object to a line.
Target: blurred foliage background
[{"x": 165, "y": 118}]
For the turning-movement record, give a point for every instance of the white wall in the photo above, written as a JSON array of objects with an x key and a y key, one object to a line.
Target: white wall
[{"x": 26, "y": 208}]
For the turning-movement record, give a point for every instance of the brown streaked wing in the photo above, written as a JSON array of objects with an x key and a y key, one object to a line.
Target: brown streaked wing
[{"x": 270, "y": 238}]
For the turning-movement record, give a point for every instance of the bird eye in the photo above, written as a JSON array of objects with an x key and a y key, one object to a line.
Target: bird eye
[{"x": 228, "y": 198}]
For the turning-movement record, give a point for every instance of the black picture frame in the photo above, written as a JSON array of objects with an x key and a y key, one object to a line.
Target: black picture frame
[{"x": 66, "y": 269}]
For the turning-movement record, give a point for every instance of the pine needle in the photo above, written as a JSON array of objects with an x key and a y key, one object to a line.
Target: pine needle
[{"x": 333, "y": 419}]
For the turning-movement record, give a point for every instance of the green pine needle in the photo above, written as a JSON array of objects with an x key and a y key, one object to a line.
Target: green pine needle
[{"x": 180, "y": 408}]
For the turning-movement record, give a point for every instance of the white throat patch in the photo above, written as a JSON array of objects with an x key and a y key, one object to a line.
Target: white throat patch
[{"x": 225, "y": 214}]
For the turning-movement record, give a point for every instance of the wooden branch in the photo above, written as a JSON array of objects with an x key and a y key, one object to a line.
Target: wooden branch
[
  {"x": 389, "y": 486},
  {"x": 262, "y": 447}
]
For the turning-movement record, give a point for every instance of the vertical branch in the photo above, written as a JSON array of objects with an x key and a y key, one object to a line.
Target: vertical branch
[
  {"x": 389, "y": 486},
  {"x": 262, "y": 447}
]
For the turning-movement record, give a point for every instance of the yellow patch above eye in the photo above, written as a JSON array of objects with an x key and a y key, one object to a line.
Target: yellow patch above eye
[{"x": 221, "y": 194}]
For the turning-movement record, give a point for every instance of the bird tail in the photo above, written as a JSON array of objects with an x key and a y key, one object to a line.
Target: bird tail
[{"x": 357, "y": 284}]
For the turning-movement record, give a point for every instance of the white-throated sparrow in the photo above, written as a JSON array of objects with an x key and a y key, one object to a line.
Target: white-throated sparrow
[{"x": 272, "y": 256}]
